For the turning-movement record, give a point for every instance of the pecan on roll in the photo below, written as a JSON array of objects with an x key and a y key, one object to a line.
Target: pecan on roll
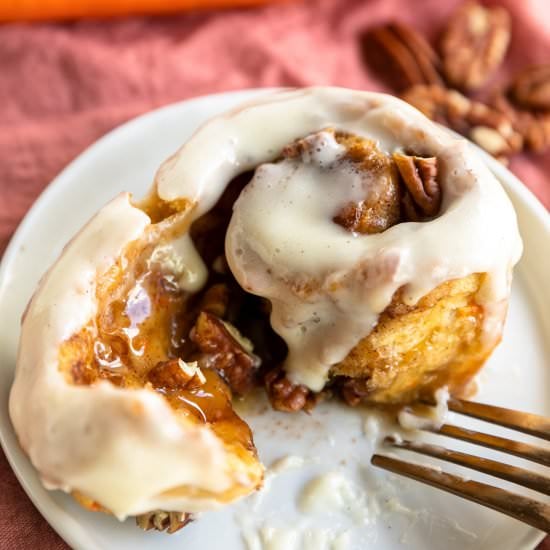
[
  {"x": 223, "y": 348},
  {"x": 175, "y": 374},
  {"x": 419, "y": 176}
]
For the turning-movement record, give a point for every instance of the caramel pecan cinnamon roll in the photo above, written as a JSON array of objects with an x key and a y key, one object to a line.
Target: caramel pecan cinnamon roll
[{"x": 320, "y": 242}]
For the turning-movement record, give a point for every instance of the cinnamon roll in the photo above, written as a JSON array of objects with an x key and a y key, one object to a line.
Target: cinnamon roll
[{"x": 319, "y": 242}]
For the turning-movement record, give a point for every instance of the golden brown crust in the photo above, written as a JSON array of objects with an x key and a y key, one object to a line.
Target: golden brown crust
[{"x": 415, "y": 349}]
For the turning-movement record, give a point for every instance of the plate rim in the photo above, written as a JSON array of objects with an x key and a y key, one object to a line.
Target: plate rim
[{"x": 507, "y": 178}]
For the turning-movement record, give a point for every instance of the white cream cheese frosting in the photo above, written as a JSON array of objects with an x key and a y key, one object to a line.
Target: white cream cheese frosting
[
  {"x": 125, "y": 448},
  {"x": 282, "y": 237}
]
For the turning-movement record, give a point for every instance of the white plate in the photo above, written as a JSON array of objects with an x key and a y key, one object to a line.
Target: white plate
[{"x": 332, "y": 439}]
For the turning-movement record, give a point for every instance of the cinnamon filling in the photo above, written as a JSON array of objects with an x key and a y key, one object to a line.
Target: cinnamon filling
[{"x": 190, "y": 347}]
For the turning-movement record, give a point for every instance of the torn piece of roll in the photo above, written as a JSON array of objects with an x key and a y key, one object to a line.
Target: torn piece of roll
[{"x": 315, "y": 241}]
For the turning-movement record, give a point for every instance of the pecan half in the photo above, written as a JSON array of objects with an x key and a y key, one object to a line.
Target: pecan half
[
  {"x": 490, "y": 128},
  {"x": 286, "y": 396},
  {"x": 474, "y": 44},
  {"x": 176, "y": 374},
  {"x": 406, "y": 52},
  {"x": 419, "y": 175},
  {"x": 531, "y": 88},
  {"x": 163, "y": 521},
  {"x": 224, "y": 349}
]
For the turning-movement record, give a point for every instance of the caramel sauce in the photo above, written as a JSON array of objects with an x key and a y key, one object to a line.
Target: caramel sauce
[{"x": 144, "y": 319}]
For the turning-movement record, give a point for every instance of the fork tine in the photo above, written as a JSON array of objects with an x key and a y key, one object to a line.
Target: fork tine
[
  {"x": 509, "y": 446},
  {"x": 528, "y": 423},
  {"x": 529, "y": 511},
  {"x": 514, "y": 474}
]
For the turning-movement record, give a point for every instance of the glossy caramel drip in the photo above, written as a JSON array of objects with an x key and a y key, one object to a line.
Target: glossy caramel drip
[
  {"x": 141, "y": 327},
  {"x": 144, "y": 320}
]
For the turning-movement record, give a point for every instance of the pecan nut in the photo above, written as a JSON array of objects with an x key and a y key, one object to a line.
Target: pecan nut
[
  {"x": 286, "y": 396},
  {"x": 354, "y": 390},
  {"x": 491, "y": 128},
  {"x": 175, "y": 374},
  {"x": 490, "y": 140},
  {"x": 530, "y": 88},
  {"x": 163, "y": 521},
  {"x": 399, "y": 47},
  {"x": 537, "y": 132},
  {"x": 419, "y": 175},
  {"x": 224, "y": 349},
  {"x": 534, "y": 127},
  {"x": 474, "y": 44},
  {"x": 447, "y": 107}
]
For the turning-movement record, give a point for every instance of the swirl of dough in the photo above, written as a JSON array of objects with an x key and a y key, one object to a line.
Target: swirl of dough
[{"x": 104, "y": 402}]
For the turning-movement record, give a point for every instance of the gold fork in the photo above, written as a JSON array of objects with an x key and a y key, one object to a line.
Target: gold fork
[{"x": 528, "y": 510}]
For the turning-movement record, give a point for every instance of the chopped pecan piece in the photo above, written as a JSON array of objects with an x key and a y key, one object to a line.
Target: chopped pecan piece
[
  {"x": 472, "y": 119},
  {"x": 224, "y": 349},
  {"x": 406, "y": 51},
  {"x": 175, "y": 374},
  {"x": 448, "y": 107},
  {"x": 286, "y": 396},
  {"x": 163, "y": 521},
  {"x": 354, "y": 390},
  {"x": 491, "y": 140},
  {"x": 534, "y": 127},
  {"x": 530, "y": 88},
  {"x": 419, "y": 175},
  {"x": 474, "y": 44}
]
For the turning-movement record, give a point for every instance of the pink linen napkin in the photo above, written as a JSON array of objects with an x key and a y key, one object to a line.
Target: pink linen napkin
[{"x": 62, "y": 86}]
